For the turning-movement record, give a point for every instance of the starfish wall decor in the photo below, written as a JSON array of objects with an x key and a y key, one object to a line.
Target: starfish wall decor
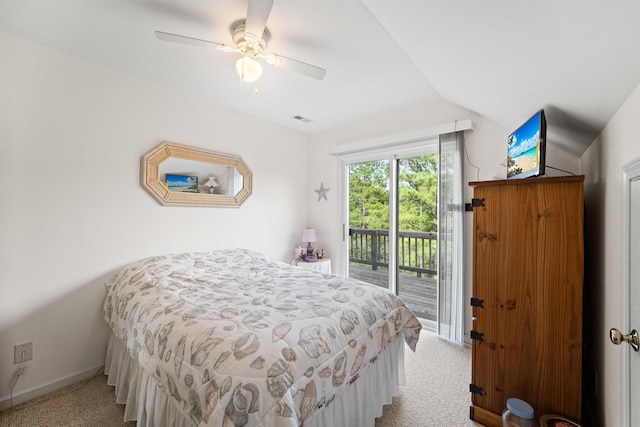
[{"x": 322, "y": 192}]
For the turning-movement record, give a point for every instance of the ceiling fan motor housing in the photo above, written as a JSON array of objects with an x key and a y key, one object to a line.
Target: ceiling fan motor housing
[{"x": 248, "y": 43}]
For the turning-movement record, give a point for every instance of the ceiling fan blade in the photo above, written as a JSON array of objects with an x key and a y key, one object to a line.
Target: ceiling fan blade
[
  {"x": 257, "y": 14},
  {"x": 297, "y": 66},
  {"x": 169, "y": 37}
]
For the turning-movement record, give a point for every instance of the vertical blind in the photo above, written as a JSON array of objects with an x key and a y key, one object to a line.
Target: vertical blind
[{"x": 450, "y": 236}]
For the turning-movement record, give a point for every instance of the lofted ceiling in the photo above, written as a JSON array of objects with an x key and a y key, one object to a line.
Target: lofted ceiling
[{"x": 580, "y": 60}]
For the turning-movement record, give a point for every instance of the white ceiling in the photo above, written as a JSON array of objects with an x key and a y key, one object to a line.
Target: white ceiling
[{"x": 504, "y": 60}]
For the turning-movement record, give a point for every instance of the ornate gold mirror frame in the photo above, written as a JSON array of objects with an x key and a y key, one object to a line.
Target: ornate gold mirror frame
[{"x": 155, "y": 184}]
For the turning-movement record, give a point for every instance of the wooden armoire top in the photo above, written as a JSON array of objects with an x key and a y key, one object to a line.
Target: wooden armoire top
[
  {"x": 533, "y": 180},
  {"x": 539, "y": 179}
]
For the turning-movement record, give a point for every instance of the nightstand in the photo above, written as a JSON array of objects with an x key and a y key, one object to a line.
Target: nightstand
[{"x": 321, "y": 265}]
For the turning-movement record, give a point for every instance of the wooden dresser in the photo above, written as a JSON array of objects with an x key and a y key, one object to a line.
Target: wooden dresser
[{"x": 528, "y": 258}]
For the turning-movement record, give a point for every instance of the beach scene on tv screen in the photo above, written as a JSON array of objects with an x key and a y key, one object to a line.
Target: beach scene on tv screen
[{"x": 523, "y": 147}]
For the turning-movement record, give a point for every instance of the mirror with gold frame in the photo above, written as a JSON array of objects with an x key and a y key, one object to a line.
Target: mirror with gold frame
[{"x": 215, "y": 179}]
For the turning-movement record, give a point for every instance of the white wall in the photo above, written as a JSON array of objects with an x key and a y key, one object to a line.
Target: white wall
[
  {"x": 72, "y": 210},
  {"x": 602, "y": 164}
]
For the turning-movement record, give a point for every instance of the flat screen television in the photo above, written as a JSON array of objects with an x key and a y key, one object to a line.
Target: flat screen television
[{"x": 526, "y": 148}]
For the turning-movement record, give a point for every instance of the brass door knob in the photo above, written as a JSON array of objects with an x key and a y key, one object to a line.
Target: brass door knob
[{"x": 618, "y": 337}]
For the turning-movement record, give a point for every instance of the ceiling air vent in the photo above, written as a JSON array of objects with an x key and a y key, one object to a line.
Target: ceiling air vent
[{"x": 301, "y": 119}]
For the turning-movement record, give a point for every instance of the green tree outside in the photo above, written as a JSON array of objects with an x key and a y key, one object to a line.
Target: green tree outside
[
  {"x": 369, "y": 195},
  {"x": 417, "y": 193}
]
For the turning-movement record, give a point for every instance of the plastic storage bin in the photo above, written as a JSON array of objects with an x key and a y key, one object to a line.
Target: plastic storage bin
[{"x": 518, "y": 414}]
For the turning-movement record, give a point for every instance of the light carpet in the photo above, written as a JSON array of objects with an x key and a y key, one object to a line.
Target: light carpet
[{"x": 436, "y": 394}]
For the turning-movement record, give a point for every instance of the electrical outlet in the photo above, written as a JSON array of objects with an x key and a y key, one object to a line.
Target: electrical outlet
[{"x": 19, "y": 348}]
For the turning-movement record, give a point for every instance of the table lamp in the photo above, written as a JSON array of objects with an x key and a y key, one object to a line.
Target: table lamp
[{"x": 309, "y": 235}]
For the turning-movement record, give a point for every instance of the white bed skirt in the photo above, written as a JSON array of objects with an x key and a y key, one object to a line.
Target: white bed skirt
[{"x": 358, "y": 405}]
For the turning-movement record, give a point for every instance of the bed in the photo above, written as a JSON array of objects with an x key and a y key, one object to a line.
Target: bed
[{"x": 232, "y": 338}]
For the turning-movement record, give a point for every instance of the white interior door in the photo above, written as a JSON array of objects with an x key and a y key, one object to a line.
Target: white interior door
[
  {"x": 630, "y": 368},
  {"x": 634, "y": 299}
]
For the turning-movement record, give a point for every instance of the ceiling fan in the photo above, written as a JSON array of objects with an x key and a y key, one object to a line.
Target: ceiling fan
[{"x": 251, "y": 37}]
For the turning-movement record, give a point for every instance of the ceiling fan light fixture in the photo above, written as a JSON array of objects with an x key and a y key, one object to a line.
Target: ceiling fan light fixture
[
  {"x": 250, "y": 38},
  {"x": 248, "y": 68}
]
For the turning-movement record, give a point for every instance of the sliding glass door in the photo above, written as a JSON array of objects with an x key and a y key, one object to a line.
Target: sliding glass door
[
  {"x": 369, "y": 221},
  {"x": 403, "y": 224},
  {"x": 392, "y": 227},
  {"x": 417, "y": 234}
]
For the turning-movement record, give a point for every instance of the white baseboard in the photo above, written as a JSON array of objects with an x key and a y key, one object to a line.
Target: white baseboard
[{"x": 41, "y": 390}]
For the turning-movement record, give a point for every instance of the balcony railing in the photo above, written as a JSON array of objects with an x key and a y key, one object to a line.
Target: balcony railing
[{"x": 417, "y": 251}]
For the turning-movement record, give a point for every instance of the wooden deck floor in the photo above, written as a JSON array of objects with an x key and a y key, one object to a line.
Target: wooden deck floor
[{"x": 419, "y": 293}]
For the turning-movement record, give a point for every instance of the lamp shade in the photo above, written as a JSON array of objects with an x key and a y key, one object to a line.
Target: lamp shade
[
  {"x": 309, "y": 235},
  {"x": 248, "y": 68}
]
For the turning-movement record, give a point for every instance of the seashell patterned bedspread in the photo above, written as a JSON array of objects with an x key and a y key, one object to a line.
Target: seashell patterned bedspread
[{"x": 237, "y": 339}]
